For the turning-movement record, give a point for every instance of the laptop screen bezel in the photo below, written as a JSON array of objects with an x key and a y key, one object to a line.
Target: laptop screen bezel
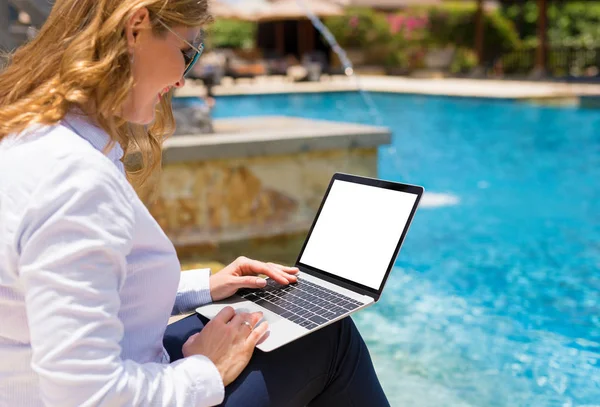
[{"x": 349, "y": 284}]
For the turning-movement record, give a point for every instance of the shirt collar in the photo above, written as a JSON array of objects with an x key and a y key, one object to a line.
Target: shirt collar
[{"x": 97, "y": 137}]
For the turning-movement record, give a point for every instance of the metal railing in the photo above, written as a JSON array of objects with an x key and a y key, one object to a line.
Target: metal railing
[{"x": 561, "y": 62}]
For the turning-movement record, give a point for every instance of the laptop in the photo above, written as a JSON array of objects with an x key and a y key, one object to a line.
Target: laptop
[{"x": 344, "y": 263}]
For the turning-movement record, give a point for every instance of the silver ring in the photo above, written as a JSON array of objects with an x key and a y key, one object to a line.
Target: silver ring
[{"x": 248, "y": 324}]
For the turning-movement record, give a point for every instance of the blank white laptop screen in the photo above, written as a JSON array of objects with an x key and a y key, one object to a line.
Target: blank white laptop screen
[{"x": 357, "y": 232}]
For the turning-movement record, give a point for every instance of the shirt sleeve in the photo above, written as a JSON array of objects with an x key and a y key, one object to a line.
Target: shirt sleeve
[
  {"x": 72, "y": 245},
  {"x": 193, "y": 291}
]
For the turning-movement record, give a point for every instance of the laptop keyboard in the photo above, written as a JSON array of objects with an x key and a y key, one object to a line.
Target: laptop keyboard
[{"x": 304, "y": 303}]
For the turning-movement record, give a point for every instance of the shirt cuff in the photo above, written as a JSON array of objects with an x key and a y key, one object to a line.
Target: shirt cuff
[
  {"x": 193, "y": 291},
  {"x": 204, "y": 379}
]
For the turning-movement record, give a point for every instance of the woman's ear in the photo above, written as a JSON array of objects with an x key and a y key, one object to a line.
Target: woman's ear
[{"x": 140, "y": 20}]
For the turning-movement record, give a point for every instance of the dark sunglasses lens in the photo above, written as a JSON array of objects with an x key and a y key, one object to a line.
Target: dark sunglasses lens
[{"x": 191, "y": 61}]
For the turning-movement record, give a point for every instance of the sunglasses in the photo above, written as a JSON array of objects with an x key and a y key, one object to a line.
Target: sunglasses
[{"x": 191, "y": 55}]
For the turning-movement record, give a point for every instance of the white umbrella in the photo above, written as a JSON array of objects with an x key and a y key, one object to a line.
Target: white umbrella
[
  {"x": 234, "y": 11},
  {"x": 292, "y": 10},
  {"x": 388, "y": 4}
]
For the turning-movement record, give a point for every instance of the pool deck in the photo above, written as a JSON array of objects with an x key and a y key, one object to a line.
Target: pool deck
[
  {"x": 498, "y": 89},
  {"x": 272, "y": 135}
]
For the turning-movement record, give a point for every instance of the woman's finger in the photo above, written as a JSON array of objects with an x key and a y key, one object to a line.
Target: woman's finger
[
  {"x": 285, "y": 274},
  {"x": 253, "y": 267},
  {"x": 256, "y": 317},
  {"x": 239, "y": 318},
  {"x": 250, "y": 282},
  {"x": 289, "y": 277},
  {"x": 225, "y": 315},
  {"x": 290, "y": 270},
  {"x": 257, "y": 334}
]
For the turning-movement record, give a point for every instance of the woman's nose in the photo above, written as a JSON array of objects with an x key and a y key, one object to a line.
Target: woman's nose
[{"x": 180, "y": 83}]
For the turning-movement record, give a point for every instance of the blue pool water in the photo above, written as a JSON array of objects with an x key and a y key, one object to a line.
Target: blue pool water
[{"x": 495, "y": 300}]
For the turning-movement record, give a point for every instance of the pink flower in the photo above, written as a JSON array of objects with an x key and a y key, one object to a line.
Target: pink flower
[
  {"x": 412, "y": 23},
  {"x": 395, "y": 23},
  {"x": 353, "y": 22}
]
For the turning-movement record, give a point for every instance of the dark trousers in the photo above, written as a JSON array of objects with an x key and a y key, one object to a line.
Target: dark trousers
[{"x": 328, "y": 368}]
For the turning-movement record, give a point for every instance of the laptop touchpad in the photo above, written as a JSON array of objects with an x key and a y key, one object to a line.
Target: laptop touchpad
[{"x": 248, "y": 306}]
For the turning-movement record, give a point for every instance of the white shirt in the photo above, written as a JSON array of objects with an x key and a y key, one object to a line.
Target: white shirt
[{"x": 88, "y": 281}]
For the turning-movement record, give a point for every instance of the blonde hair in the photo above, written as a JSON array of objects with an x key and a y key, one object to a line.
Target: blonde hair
[{"x": 80, "y": 58}]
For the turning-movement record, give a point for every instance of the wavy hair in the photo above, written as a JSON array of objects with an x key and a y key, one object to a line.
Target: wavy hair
[{"x": 80, "y": 59}]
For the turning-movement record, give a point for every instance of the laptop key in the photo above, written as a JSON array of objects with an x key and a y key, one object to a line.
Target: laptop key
[
  {"x": 348, "y": 308},
  {"x": 308, "y": 314},
  {"x": 285, "y": 304},
  {"x": 305, "y": 324},
  {"x": 296, "y": 318},
  {"x": 290, "y": 307},
  {"x": 287, "y": 314},
  {"x": 314, "y": 308},
  {"x": 328, "y": 315},
  {"x": 302, "y": 312},
  {"x": 272, "y": 307},
  {"x": 311, "y": 325},
  {"x": 332, "y": 306},
  {"x": 318, "y": 320},
  {"x": 295, "y": 301},
  {"x": 252, "y": 297}
]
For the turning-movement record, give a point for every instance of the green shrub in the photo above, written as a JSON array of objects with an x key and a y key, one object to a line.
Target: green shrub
[
  {"x": 455, "y": 25},
  {"x": 398, "y": 59},
  {"x": 394, "y": 54},
  {"x": 359, "y": 27},
  {"x": 406, "y": 60},
  {"x": 231, "y": 34},
  {"x": 572, "y": 23},
  {"x": 464, "y": 61}
]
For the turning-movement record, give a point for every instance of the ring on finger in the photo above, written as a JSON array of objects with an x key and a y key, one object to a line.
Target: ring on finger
[{"x": 248, "y": 324}]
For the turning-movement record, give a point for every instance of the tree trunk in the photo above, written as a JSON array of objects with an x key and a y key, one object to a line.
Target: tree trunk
[
  {"x": 479, "y": 32},
  {"x": 542, "y": 32}
]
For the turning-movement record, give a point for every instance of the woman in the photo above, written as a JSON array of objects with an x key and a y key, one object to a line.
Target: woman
[{"x": 88, "y": 280}]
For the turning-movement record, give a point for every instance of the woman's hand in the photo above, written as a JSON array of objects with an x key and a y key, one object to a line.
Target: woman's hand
[
  {"x": 228, "y": 340},
  {"x": 243, "y": 273}
]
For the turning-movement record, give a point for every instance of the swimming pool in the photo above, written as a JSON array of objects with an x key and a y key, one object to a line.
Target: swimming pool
[{"x": 495, "y": 300}]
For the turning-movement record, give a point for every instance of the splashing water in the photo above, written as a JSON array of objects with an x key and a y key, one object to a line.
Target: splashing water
[{"x": 346, "y": 63}]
